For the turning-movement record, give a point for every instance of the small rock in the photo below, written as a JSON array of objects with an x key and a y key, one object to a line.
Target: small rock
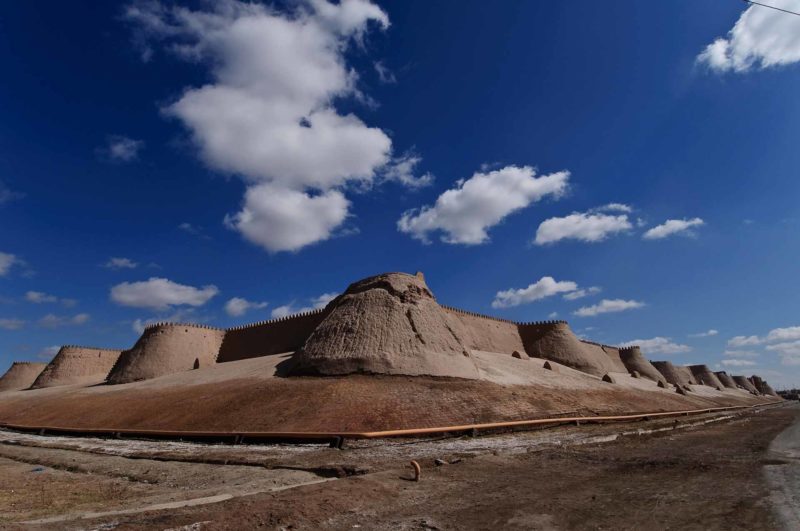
[
  {"x": 516, "y": 354},
  {"x": 439, "y": 462},
  {"x": 608, "y": 378},
  {"x": 548, "y": 366}
]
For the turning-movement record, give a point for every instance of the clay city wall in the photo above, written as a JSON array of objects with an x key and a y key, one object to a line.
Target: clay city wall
[
  {"x": 77, "y": 365},
  {"x": 704, "y": 376},
  {"x": 285, "y": 334},
  {"x": 745, "y": 383},
  {"x": 675, "y": 374},
  {"x": 634, "y": 360},
  {"x": 20, "y": 375},
  {"x": 166, "y": 348},
  {"x": 612, "y": 353},
  {"x": 555, "y": 341},
  {"x": 482, "y": 332},
  {"x": 726, "y": 380}
]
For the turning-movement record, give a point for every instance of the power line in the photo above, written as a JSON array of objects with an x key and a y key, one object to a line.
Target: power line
[{"x": 771, "y": 7}]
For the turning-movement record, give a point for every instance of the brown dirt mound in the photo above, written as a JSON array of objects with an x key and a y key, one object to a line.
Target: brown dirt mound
[
  {"x": 674, "y": 374},
  {"x": 386, "y": 324},
  {"x": 634, "y": 361},
  {"x": 20, "y": 375},
  {"x": 726, "y": 380},
  {"x": 744, "y": 382},
  {"x": 165, "y": 349},
  {"x": 554, "y": 340},
  {"x": 704, "y": 376},
  {"x": 77, "y": 365}
]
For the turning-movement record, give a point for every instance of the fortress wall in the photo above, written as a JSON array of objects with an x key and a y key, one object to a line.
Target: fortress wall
[
  {"x": 704, "y": 376},
  {"x": 745, "y": 383},
  {"x": 481, "y": 332},
  {"x": 77, "y": 365},
  {"x": 612, "y": 353},
  {"x": 674, "y": 374},
  {"x": 634, "y": 361},
  {"x": 726, "y": 380},
  {"x": 20, "y": 375},
  {"x": 762, "y": 386},
  {"x": 555, "y": 341},
  {"x": 286, "y": 334},
  {"x": 166, "y": 348}
]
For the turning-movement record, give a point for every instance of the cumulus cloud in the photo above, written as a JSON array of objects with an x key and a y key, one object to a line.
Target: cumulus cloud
[
  {"x": 465, "y": 213},
  {"x": 744, "y": 341},
  {"x": 581, "y": 293},
  {"x": 707, "y": 333},
  {"x": 658, "y": 345},
  {"x": 608, "y": 306},
  {"x": 403, "y": 170},
  {"x": 120, "y": 263},
  {"x": 738, "y": 363},
  {"x": 673, "y": 226},
  {"x": 37, "y": 297},
  {"x": 280, "y": 219},
  {"x": 316, "y": 303},
  {"x": 11, "y": 324},
  {"x": 160, "y": 294},
  {"x": 589, "y": 226},
  {"x": 741, "y": 353},
  {"x": 791, "y": 333},
  {"x": 613, "y": 207},
  {"x": 7, "y": 195},
  {"x": 55, "y": 321},
  {"x": 542, "y": 288},
  {"x": 7, "y": 260},
  {"x": 238, "y": 306},
  {"x": 268, "y": 113},
  {"x": 761, "y": 38},
  {"x": 122, "y": 149}
]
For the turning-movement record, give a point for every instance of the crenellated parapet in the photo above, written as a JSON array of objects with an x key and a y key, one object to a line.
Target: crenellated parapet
[
  {"x": 291, "y": 317},
  {"x": 167, "y": 324},
  {"x": 474, "y": 314}
]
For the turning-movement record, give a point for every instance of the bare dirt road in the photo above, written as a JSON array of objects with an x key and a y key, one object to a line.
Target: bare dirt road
[{"x": 719, "y": 475}]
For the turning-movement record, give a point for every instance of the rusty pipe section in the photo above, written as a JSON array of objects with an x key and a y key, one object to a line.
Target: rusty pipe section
[{"x": 304, "y": 436}]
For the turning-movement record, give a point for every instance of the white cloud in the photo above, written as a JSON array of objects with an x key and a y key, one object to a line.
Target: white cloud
[
  {"x": 55, "y": 321},
  {"x": 582, "y": 226},
  {"x": 280, "y": 219},
  {"x": 47, "y": 353},
  {"x": 744, "y": 341},
  {"x": 740, "y": 354},
  {"x": 464, "y": 213},
  {"x": 120, "y": 263},
  {"x": 384, "y": 74},
  {"x": 181, "y": 315},
  {"x": 542, "y": 288},
  {"x": 658, "y": 345},
  {"x": 238, "y": 306},
  {"x": 784, "y": 334},
  {"x": 673, "y": 226},
  {"x": 613, "y": 207},
  {"x": 761, "y": 38},
  {"x": 7, "y": 195},
  {"x": 37, "y": 297},
  {"x": 608, "y": 306},
  {"x": 707, "y": 333},
  {"x": 402, "y": 168},
  {"x": 316, "y": 303},
  {"x": 552, "y": 315},
  {"x": 122, "y": 149},
  {"x": 581, "y": 293},
  {"x": 7, "y": 260},
  {"x": 160, "y": 294},
  {"x": 738, "y": 363},
  {"x": 11, "y": 324},
  {"x": 268, "y": 114}
]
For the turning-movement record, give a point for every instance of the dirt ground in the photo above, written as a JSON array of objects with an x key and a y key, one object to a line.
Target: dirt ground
[{"x": 706, "y": 474}]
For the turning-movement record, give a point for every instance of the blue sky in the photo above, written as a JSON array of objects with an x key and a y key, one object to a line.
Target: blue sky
[{"x": 221, "y": 164}]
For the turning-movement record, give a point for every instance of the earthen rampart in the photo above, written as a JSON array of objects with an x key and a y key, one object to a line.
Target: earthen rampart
[
  {"x": 21, "y": 375},
  {"x": 77, "y": 365},
  {"x": 634, "y": 360},
  {"x": 675, "y": 374},
  {"x": 745, "y": 383},
  {"x": 285, "y": 334},
  {"x": 481, "y": 332},
  {"x": 726, "y": 380},
  {"x": 704, "y": 376},
  {"x": 555, "y": 341},
  {"x": 166, "y": 348}
]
